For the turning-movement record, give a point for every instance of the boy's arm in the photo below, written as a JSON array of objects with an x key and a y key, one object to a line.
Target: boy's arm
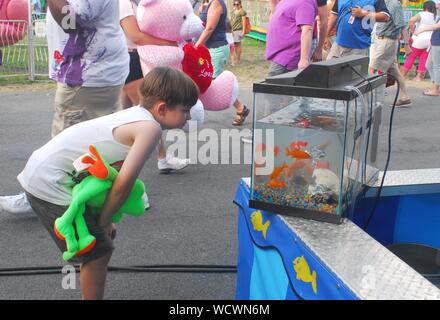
[{"x": 146, "y": 136}]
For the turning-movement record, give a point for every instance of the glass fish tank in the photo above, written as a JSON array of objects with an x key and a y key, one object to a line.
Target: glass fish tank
[{"x": 314, "y": 148}]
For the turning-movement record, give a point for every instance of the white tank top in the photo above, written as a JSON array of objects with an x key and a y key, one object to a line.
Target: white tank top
[
  {"x": 423, "y": 40},
  {"x": 47, "y": 174}
]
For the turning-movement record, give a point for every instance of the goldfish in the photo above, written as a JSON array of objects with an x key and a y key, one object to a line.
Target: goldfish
[
  {"x": 277, "y": 171},
  {"x": 257, "y": 222},
  {"x": 298, "y": 154},
  {"x": 276, "y": 184},
  {"x": 302, "y": 270},
  {"x": 299, "y": 144}
]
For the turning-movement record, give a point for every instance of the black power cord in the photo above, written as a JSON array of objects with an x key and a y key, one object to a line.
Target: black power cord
[
  {"x": 172, "y": 268},
  {"x": 379, "y": 190},
  {"x": 369, "y": 88},
  {"x": 369, "y": 121}
]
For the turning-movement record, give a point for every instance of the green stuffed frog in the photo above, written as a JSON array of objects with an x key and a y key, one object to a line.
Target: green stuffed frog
[{"x": 92, "y": 192}]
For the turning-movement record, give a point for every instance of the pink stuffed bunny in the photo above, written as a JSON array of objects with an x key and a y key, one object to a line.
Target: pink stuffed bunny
[{"x": 174, "y": 20}]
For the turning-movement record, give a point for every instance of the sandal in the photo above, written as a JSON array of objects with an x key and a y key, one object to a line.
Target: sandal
[
  {"x": 241, "y": 116},
  {"x": 428, "y": 92},
  {"x": 403, "y": 103}
]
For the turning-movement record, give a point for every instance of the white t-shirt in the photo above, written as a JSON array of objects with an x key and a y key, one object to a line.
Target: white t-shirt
[
  {"x": 423, "y": 40},
  {"x": 127, "y": 8},
  {"x": 95, "y": 55},
  {"x": 48, "y": 172}
]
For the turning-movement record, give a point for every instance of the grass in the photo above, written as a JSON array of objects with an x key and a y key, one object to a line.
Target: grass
[{"x": 253, "y": 66}]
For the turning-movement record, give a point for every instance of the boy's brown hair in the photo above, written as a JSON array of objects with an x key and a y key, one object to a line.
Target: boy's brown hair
[{"x": 170, "y": 86}]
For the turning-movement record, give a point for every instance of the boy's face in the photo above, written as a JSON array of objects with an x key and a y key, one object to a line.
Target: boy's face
[{"x": 173, "y": 118}]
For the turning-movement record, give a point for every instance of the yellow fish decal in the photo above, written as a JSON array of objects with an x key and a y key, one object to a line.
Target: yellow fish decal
[
  {"x": 257, "y": 222},
  {"x": 302, "y": 270}
]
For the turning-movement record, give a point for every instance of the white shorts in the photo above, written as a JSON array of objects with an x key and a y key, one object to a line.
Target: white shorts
[{"x": 238, "y": 36}]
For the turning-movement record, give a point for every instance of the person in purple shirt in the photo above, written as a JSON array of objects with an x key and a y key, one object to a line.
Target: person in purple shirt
[{"x": 290, "y": 34}]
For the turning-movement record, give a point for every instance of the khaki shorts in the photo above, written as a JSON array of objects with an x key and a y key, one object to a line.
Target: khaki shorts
[
  {"x": 338, "y": 52},
  {"x": 77, "y": 104},
  {"x": 383, "y": 53},
  {"x": 47, "y": 213}
]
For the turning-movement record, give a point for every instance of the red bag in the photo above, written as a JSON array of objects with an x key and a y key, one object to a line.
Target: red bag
[
  {"x": 247, "y": 25},
  {"x": 197, "y": 64}
]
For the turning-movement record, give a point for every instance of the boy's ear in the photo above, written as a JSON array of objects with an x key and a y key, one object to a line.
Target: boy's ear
[{"x": 161, "y": 108}]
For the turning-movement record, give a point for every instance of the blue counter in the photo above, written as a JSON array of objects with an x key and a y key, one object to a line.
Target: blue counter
[{"x": 292, "y": 258}]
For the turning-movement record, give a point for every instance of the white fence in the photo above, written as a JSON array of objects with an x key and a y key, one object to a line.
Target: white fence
[{"x": 23, "y": 48}]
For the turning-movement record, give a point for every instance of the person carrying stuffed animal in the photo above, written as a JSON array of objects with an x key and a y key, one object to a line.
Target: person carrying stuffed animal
[
  {"x": 130, "y": 135},
  {"x": 174, "y": 20}
]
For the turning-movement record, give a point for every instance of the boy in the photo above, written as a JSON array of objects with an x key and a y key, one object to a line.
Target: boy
[{"x": 130, "y": 135}]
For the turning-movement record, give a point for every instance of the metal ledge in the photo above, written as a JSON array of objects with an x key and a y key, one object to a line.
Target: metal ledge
[{"x": 407, "y": 182}]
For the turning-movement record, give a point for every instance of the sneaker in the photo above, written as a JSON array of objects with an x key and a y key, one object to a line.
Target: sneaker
[
  {"x": 146, "y": 202},
  {"x": 15, "y": 204},
  {"x": 172, "y": 164}
]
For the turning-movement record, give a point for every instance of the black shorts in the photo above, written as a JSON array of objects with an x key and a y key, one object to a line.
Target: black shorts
[
  {"x": 48, "y": 213},
  {"x": 135, "y": 67}
]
